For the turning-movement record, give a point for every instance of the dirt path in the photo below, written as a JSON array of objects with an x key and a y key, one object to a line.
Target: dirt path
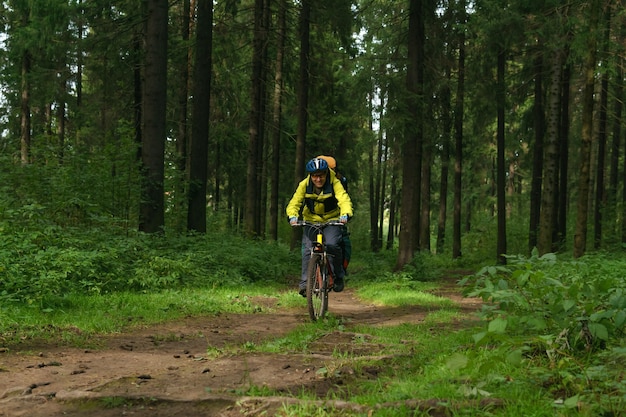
[{"x": 165, "y": 370}]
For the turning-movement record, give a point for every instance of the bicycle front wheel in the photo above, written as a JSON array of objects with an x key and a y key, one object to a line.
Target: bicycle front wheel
[{"x": 317, "y": 290}]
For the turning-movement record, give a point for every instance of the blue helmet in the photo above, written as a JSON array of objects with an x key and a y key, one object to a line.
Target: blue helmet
[{"x": 316, "y": 164}]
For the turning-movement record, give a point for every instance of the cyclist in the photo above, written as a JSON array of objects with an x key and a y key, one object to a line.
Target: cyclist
[{"x": 321, "y": 197}]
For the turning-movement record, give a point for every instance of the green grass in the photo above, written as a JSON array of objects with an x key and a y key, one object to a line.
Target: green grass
[
  {"x": 76, "y": 317},
  {"x": 402, "y": 294}
]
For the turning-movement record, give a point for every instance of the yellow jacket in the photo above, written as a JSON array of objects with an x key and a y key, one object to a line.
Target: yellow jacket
[{"x": 333, "y": 201}]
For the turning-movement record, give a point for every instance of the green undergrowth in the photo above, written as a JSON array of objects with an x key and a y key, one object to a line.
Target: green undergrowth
[
  {"x": 40, "y": 265},
  {"x": 549, "y": 342},
  {"x": 70, "y": 284}
]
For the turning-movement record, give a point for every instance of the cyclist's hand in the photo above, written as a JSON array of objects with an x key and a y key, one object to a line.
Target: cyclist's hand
[
  {"x": 343, "y": 219},
  {"x": 293, "y": 220}
]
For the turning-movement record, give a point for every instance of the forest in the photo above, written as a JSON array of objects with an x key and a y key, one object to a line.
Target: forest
[
  {"x": 449, "y": 118},
  {"x": 149, "y": 149}
]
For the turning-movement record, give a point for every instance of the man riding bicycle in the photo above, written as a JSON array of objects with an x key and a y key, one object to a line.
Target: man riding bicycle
[{"x": 322, "y": 198}]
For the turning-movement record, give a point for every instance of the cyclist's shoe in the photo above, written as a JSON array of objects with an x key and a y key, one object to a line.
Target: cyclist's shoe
[
  {"x": 338, "y": 285},
  {"x": 302, "y": 292}
]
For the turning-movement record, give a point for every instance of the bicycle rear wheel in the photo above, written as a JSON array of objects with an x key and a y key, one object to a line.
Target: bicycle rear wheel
[{"x": 316, "y": 291}]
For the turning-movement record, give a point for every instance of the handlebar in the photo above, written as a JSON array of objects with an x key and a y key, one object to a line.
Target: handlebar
[{"x": 319, "y": 224}]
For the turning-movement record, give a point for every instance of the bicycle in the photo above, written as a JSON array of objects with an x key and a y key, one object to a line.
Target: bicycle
[{"x": 319, "y": 272}]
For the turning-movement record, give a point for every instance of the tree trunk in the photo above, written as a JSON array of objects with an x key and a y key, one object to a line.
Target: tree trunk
[
  {"x": 373, "y": 203},
  {"x": 138, "y": 91},
  {"x": 303, "y": 101},
  {"x": 62, "y": 75},
  {"x": 303, "y": 90},
  {"x": 198, "y": 160},
  {"x": 378, "y": 192},
  {"x": 79, "y": 66},
  {"x": 182, "y": 139},
  {"x": 276, "y": 119},
  {"x": 392, "y": 208},
  {"x": 411, "y": 169},
  {"x": 383, "y": 187},
  {"x": 445, "y": 163},
  {"x": 374, "y": 172},
  {"x": 501, "y": 176},
  {"x": 424, "y": 229},
  {"x": 25, "y": 134},
  {"x": 551, "y": 161},
  {"x": 420, "y": 107},
  {"x": 262, "y": 149},
  {"x": 152, "y": 208},
  {"x": 458, "y": 139},
  {"x": 618, "y": 83},
  {"x": 255, "y": 143},
  {"x": 600, "y": 201},
  {"x": 564, "y": 157},
  {"x": 580, "y": 235},
  {"x": 537, "y": 172},
  {"x": 61, "y": 127}
]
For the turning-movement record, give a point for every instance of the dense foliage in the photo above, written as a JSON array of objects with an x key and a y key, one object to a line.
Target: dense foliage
[
  {"x": 56, "y": 239},
  {"x": 54, "y": 262},
  {"x": 571, "y": 306},
  {"x": 563, "y": 318}
]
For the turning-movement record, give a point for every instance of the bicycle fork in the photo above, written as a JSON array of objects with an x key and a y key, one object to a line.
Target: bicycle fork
[{"x": 327, "y": 271}]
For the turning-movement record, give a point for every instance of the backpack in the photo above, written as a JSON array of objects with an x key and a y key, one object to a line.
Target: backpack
[{"x": 346, "y": 244}]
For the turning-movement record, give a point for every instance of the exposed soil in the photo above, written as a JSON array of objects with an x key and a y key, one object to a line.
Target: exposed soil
[{"x": 168, "y": 369}]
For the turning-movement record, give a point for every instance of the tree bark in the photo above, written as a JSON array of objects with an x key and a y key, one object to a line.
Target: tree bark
[
  {"x": 600, "y": 201},
  {"x": 198, "y": 161},
  {"x": 303, "y": 101},
  {"x": 618, "y": 86},
  {"x": 152, "y": 208},
  {"x": 378, "y": 193},
  {"x": 411, "y": 168},
  {"x": 563, "y": 197},
  {"x": 580, "y": 235},
  {"x": 182, "y": 139},
  {"x": 138, "y": 91},
  {"x": 303, "y": 90},
  {"x": 458, "y": 139},
  {"x": 255, "y": 143},
  {"x": 276, "y": 119},
  {"x": 501, "y": 177},
  {"x": 424, "y": 229},
  {"x": 551, "y": 160},
  {"x": 537, "y": 170},
  {"x": 373, "y": 202},
  {"x": 383, "y": 187},
  {"x": 25, "y": 134},
  {"x": 445, "y": 163}
]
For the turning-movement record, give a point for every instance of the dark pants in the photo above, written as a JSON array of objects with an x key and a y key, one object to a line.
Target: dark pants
[{"x": 332, "y": 239}]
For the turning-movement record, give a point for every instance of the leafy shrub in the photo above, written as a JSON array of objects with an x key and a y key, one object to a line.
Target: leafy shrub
[
  {"x": 52, "y": 262},
  {"x": 563, "y": 319},
  {"x": 575, "y": 305}
]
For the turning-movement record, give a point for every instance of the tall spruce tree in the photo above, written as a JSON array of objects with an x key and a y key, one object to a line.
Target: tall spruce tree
[
  {"x": 196, "y": 214},
  {"x": 152, "y": 206}
]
